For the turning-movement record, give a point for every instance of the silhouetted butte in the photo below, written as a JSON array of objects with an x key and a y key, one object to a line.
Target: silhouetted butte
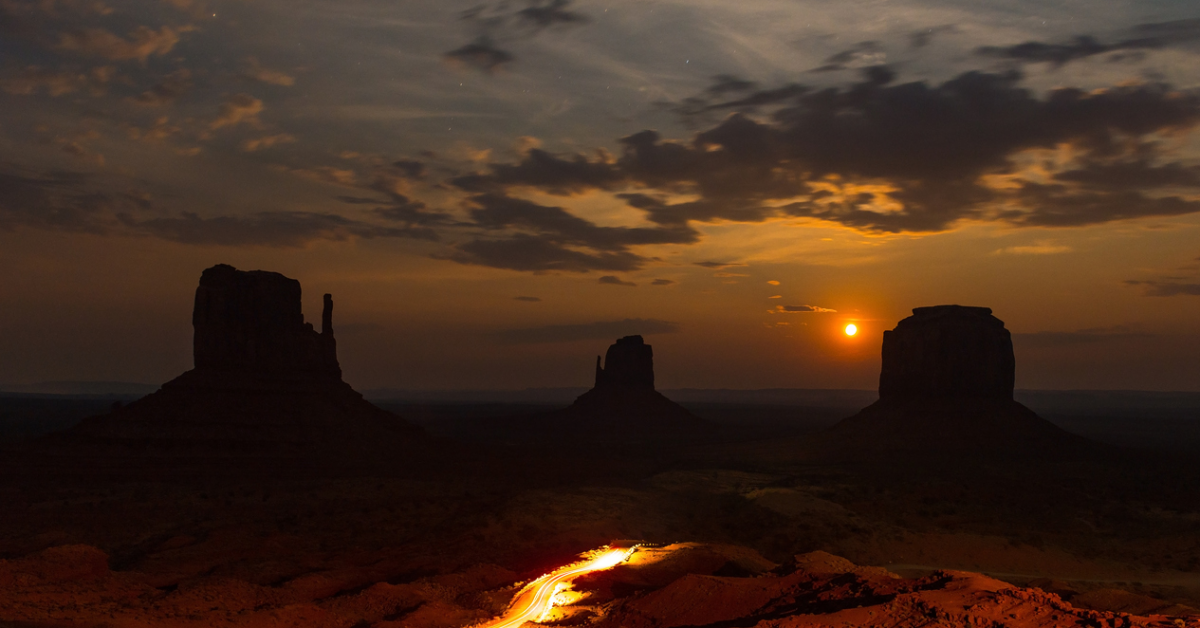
[
  {"x": 946, "y": 385},
  {"x": 622, "y": 406},
  {"x": 265, "y": 382}
]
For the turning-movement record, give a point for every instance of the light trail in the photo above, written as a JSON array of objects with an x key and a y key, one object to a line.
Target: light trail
[{"x": 537, "y": 598}]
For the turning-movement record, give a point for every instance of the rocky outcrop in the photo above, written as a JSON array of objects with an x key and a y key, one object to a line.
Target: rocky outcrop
[
  {"x": 671, "y": 586},
  {"x": 629, "y": 363},
  {"x": 624, "y": 395},
  {"x": 265, "y": 383},
  {"x": 252, "y": 322},
  {"x": 622, "y": 406},
  {"x": 948, "y": 351},
  {"x": 946, "y": 386}
]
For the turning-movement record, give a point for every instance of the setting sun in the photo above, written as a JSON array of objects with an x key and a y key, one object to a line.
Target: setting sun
[{"x": 851, "y": 329}]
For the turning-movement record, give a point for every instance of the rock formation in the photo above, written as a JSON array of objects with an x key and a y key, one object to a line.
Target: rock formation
[
  {"x": 264, "y": 383},
  {"x": 623, "y": 405},
  {"x": 946, "y": 385},
  {"x": 630, "y": 364},
  {"x": 672, "y": 586},
  {"x": 251, "y": 322},
  {"x": 624, "y": 393},
  {"x": 948, "y": 351}
]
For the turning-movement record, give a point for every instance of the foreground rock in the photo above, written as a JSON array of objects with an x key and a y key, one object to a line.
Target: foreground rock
[
  {"x": 946, "y": 386},
  {"x": 265, "y": 383},
  {"x": 674, "y": 586}
]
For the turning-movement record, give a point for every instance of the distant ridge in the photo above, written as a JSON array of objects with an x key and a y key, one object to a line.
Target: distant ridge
[{"x": 1102, "y": 401}]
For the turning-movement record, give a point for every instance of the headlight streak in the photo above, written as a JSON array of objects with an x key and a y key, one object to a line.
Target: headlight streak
[{"x": 535, "y": 600}]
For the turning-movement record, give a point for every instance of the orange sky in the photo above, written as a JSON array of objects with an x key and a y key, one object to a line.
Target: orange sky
[{"x": 494, "y": 195}]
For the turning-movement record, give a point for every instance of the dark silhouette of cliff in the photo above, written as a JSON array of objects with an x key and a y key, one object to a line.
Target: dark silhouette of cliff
[
  {"x": 622, "y": 406},
  {"x": 265, "y": 383},
  {"x": 946, "y": 385}
]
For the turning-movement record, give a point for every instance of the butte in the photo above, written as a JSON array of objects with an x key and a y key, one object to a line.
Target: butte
[
  {"x": 622, "y": 405},
  {"x": 266, "y": 386},
  {"x": 946, "y": 386}
]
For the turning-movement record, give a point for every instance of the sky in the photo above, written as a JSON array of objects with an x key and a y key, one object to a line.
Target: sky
[{"x": 493, "y": 192}]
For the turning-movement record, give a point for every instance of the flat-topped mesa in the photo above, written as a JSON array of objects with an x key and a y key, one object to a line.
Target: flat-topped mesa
[
  {"x": 946, "y": 390},
  {"x": 948, "y": 351},
  {"x": 629, "y": 363},
  {"x": 251, "y": 321}
]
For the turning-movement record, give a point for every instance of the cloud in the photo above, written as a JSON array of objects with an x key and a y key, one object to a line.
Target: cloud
[
  {"x": 34, "y": 79},
  {"x": 726, "y": 275},
  {"x": 166, "y": 91},
  {"x": 531, "y": 253},
  {"x": 267, "y": 141},
  {"x": 797, "y": 309},
  {"x": 503, "y": 212},
  {"x": 66, "y": 201},
  {"x": 528, "y": 299},
  {"x": 544, "y": 171},
  {"x": 863, "y": 54},
  {"x": 412, "y": 213},
  {"x": 1041, "y": 247},
  {"x": 1168, "y": 288},
  {"x": 613, "y": 280},
  {"x": 548, "y": 238},
  {"x": 1054, "y": 339},
  {"x": 663, "y": 282},
  {"x": 777, "y": 296},
  {"x": 887, "y": 157},
  {"x": 324, "y": 174},
  {"x": 79, "y": 146},
  {"x": 480, "y": 54},
  {"x": 409, "y": 168},
  {"x": 922, "y": 38},
  {"x": 1057, "y": 206},
  {"x": 499, "y": 22},
  {"x": 142, "y": 43},
  {"x": 58, "y": 201},
  {"x": 717, "y": 265},
  {"x": 1140, "y": 38},
  {"x": 238, "y": 109},
  {"x": 601, "y": 330},
  {"x": 543, "y": 14},
  {"x": 277, "y": 229},
  {"x": 773, "y": 282},
  {"x": 258, "y": 73}
]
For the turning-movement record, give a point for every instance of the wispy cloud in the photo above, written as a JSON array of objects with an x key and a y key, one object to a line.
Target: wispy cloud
[
  {"x": 1053, "y": 339},
  {"x": 613, "y": 280},
  {"x": 800, "y": 309},
  {"x": 238, "y": 109},
  {"x": 141, "y": 44},
  {"x": 1168, "y": 288},
  {"x": 1043, "y": 247}
]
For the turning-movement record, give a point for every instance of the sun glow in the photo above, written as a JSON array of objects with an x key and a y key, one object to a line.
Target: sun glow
[{"x": 851, "y": 329}]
